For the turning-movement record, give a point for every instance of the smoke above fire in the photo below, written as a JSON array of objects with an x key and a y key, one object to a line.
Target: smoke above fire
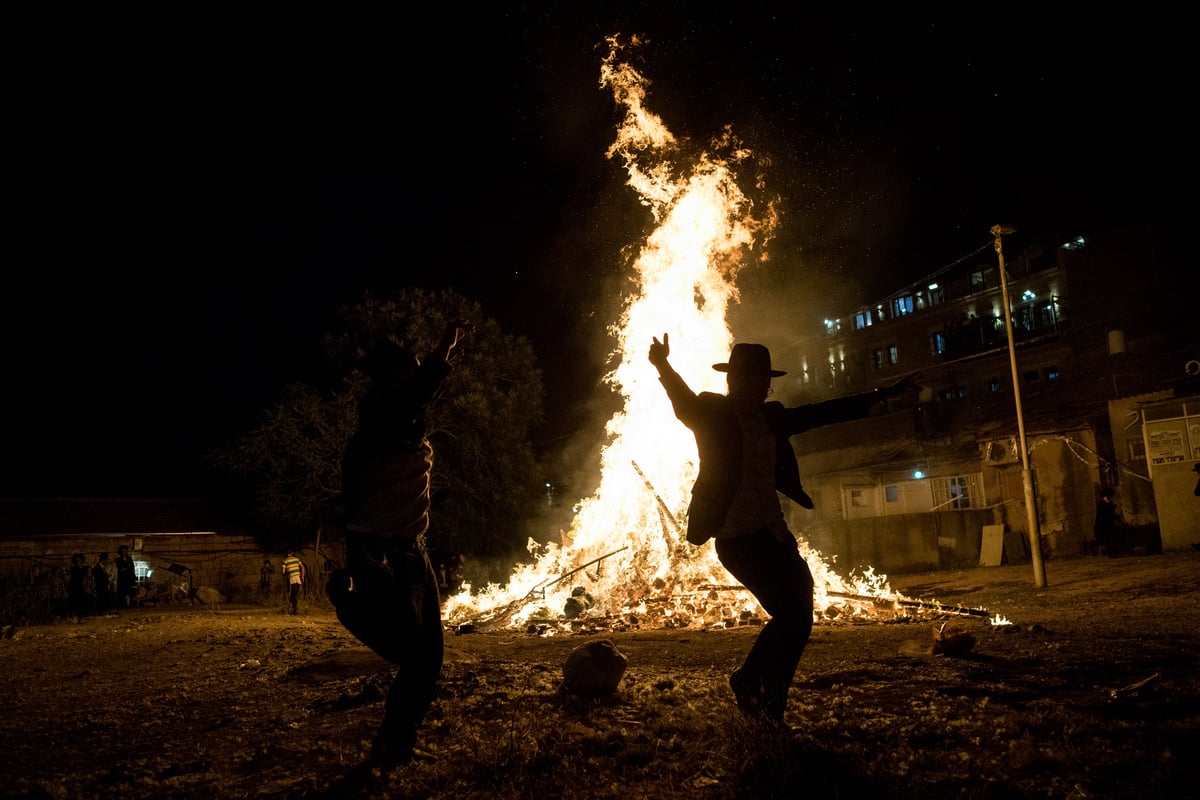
[{"x": 625, "y": 557}]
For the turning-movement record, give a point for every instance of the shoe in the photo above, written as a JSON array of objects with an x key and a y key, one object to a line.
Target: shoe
[
  {"x": 748, "y": 691},
  {"x": 387, "y": 756},
  {"x": 388, "y": 752}
]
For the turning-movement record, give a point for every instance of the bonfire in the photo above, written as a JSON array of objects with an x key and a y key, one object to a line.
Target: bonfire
[{"x": 626, "y": 549}]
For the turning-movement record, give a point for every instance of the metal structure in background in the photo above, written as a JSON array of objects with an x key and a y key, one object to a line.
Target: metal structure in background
[{"x": 1031, "y": 517}]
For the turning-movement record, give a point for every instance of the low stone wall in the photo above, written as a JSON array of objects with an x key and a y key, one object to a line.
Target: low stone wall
[
  {"x": 229, "y": 564},
  {"x": 903, "y": 543}
]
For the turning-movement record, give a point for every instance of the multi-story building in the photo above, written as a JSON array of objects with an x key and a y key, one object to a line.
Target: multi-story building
[{"x": 914, "y": 486}]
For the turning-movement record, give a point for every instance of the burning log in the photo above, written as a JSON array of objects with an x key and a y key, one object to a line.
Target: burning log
[
  {"x": 504, "y": 614},
  {"x": 891, "y": 601},
  {"x": 921, "y": 605},
  {"x": 541, "y": 587},
  {"x": 663, "y": 511}
]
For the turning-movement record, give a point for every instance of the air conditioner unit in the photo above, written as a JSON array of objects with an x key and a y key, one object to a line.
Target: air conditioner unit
[{"x": 998, "y": 452}]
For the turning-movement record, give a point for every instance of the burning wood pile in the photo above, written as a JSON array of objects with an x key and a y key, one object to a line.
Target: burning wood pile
[
  {"x": 710, "y": 606},
  {"x": 625, "y": 553}
]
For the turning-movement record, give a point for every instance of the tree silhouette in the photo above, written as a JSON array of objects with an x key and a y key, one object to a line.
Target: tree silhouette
[{"x": 485, "y": 483}]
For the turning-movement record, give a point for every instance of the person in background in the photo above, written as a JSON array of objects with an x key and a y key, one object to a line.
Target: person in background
[
  {"x": 104, "y": 593},
  {"x": 1107, "y": 529},
  {"x": 80, "y": 587},
  {"x": 1196, "y": 492},
  {"x": 126, "y": 578},
  {"x": 387, "y": 596},
  {"x": 265, "y": 575},
  {"x": 746, "y": 461},
  {"x": 327, "y": 570},
  {"x": 60, "y": 603},
  {"x": 293, "y": 577},
  {"x": 39, "y": 590}
]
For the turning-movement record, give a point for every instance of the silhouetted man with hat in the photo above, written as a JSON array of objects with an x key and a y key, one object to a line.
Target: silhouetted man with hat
[{"x": 745, "y": 460}]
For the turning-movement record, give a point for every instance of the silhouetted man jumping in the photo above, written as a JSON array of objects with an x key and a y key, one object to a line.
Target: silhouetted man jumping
[{"x": 388, "y": 594}]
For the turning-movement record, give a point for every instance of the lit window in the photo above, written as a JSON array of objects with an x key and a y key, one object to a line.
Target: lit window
[
  {"x": 938, "y": 343},
  {"x": 893, "y": 354},
  {"x": 902, "y": 305}
]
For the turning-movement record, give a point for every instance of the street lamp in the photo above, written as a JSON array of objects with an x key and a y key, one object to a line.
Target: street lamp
[{"x": 1031, "y": 520}]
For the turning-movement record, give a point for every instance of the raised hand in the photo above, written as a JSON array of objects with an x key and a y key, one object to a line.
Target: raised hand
[{"x": 660, "y": 350}]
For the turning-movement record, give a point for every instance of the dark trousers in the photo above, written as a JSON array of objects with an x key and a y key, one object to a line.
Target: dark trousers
[
  {"x": 783, "y": 585},
  {"x": 388, "y": 598},
  {"x": 294, "y": 597}
]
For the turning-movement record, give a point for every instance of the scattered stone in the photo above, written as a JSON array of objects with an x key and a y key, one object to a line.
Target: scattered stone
[
  {"x": 594, "y": 669},
  {"x": 577, "y": 603},
  {"x": 952, "y": 640},
  {"x": 209, "y": 596}
]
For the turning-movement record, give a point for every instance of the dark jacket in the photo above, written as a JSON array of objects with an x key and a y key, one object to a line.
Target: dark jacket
[
  {"x": 712, "y": 419},
  {"x": 386, "y": 466}
]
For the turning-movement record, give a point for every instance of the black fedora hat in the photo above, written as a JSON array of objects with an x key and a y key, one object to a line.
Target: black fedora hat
[{"x": 749, "y": 359}]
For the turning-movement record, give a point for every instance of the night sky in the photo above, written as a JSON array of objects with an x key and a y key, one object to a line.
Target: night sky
[{"x": 188, "y": 192}]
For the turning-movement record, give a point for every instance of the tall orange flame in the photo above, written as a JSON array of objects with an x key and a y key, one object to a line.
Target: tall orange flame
[{"x": 626, "y": 547}]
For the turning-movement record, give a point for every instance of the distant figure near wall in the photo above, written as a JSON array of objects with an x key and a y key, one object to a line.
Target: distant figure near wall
[{"x": 293, "y": 577}]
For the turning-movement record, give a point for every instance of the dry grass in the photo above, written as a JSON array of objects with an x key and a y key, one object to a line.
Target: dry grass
[{"x": 253, "y": 703}]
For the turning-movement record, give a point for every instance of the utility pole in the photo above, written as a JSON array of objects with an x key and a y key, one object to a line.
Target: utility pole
[{"x": 1031, "y": 517}]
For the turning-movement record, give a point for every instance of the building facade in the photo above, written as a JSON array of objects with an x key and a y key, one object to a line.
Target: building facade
[{"x": 1093, "y": 345}]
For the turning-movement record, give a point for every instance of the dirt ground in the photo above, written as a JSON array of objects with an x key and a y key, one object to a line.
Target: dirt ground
[{"x": 1093, "y": 690}]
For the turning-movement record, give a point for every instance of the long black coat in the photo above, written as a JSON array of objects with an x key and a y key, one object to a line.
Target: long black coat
[{"x": 712, "y": 419}]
